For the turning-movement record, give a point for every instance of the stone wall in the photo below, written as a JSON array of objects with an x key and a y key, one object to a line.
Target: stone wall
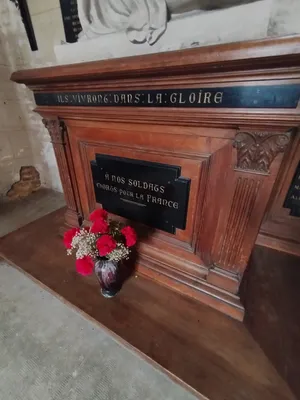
[
  {"x": 23, "y": 138},
  {"x": 48, "y": 26}
]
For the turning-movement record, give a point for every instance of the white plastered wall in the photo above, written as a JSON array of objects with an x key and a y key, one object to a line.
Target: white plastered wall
[{"x": 23, "y": 138}]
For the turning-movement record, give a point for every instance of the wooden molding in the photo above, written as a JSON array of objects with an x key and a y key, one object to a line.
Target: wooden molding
[
  {"x": 258, "y": 54},
  {"x": 59, "y": 138},
  {"x": 245, "y": 194}
]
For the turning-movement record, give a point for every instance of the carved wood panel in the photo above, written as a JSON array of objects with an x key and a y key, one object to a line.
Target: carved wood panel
[
  {"x": 190, "y": 161},
  {"x": 222, "y": 222},
  {"x": 60, "y": 141},
  {"x": 243, "y": 202},
  {"x": 279, "y": 229},
  {"x": 244, "y": 178}
]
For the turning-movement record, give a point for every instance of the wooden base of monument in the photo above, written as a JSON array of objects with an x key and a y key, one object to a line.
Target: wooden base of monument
[
  {"x": 186, "y": 145},
  {"x": 209, "y": 353},
  {"x": 199, "y": 290}
]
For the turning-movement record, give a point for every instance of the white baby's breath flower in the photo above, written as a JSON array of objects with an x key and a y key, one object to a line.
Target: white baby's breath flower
[
  {"x": 119, "y": 253},
  {"x": 85, "y": 243}
]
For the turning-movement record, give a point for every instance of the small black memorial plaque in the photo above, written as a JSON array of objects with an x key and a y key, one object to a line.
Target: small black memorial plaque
[
  {"x": 71, "y": 20},
  {"x": 148, "y": 192},
  {"x": 292, "y": 200}
]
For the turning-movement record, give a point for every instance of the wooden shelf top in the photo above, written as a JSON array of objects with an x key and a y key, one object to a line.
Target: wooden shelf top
[{"x": 269, "y": 53}]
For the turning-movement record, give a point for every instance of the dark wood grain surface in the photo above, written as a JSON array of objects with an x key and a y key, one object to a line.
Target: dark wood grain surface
[
  {"x": 271, "y": 295},
  {"x": 212, "y": 353}
]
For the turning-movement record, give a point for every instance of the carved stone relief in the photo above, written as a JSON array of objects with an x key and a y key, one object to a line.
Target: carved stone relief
[{"x": 142, "y": 20}]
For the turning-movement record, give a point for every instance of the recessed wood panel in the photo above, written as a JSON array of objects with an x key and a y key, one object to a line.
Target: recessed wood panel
[
  {"x": 279, "y": 229},
  {"x": 183, "y": 243}
]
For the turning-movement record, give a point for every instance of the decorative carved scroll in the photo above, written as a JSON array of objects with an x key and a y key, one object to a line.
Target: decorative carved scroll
[{"x": 257, "y": 150}]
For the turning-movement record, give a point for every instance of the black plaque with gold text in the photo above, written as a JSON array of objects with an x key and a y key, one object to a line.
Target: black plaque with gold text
[
  {"x": 264, "y": 96},
  {"x": 71, "y": 20},
  {"x": 292, "y": 200},
  {"x": 148, "y": 192}
]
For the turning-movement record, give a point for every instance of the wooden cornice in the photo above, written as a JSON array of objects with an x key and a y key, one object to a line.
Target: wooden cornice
[
  {"x": 261, "y": 62},
  {"x": 242, "y": 56}
]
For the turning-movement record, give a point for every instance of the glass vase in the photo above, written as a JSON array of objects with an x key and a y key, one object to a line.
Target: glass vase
[{"x": 107, "y": 274}]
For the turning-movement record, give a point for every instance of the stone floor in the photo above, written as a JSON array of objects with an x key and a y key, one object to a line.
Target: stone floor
[
  {"x": 49, "y": 351},
  {"x": 17, "y": 213}
]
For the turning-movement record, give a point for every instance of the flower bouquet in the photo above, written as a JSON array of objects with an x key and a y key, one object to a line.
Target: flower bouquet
[{"x": 101, "y": 248}]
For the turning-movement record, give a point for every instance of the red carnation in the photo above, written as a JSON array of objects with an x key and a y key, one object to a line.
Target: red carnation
[
  {"x": 130, "y": 235},
  {"x": 98, "y": 214},
  {"x": 85, "y": 265},
  {"x": 105, "y": 244},
  {"x": 99, "y": 226},
  {"x": 68, "y": 237}
]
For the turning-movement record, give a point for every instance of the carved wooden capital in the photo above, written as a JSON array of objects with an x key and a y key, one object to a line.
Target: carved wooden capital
[
  {"x": 257, "y": 150},
  {"x": 56, "y": 129}
]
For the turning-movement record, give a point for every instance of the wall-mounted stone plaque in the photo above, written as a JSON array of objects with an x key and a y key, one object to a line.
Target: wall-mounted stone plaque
[
  {"x": 292, "y": 200},
  {"x": 71, "y": 20},
  {"x": 148, "y": 192}
]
